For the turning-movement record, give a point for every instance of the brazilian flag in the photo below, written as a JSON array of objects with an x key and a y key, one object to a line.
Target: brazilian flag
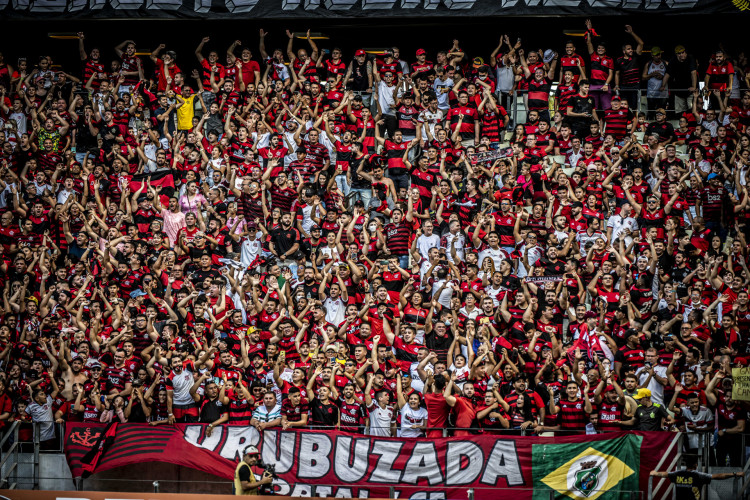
[{"x": 605, "y": 469}]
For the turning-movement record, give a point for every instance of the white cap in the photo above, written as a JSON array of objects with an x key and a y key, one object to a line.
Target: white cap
[{"x": 250, "y": 450}]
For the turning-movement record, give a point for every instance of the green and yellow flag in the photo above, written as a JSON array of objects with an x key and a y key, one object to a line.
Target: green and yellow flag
[{"x": 605, "y": 469}]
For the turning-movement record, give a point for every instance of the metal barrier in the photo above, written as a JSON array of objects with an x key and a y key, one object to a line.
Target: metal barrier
[
  {"x": 166, "y": 486},
  {"x": 737, "y": 493},
  {"x": 746, "y": 470},
  {"x": 9, "y": 468},
  {"x": 518, "y": 107}
]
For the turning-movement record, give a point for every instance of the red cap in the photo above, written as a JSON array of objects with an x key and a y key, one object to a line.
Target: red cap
[
  {"x": 360, "y": 52},
  {"x": 421, "y": 52}
]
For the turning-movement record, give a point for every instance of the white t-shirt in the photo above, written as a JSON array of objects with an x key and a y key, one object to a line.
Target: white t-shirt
[
  {"x": 535, "y": 253},
  {"x": 307, "y": 222},
  {"x": 181, "y": 384},
  {"x": 462, "y": 375},
  {"x": 657, "y": 390},
  {"x": 442, "y": 89},
  {"x": 459, "y": 245},
  {"x": 583, "y": 237},
  {"x": 425, "y": 243},
  {"x": 380, "y": 420},
  {"x": 20, "y": 120},
  {"x": 416, "y": 383},
  {"x": 496, "y": 254},
  {"x": 385, "y": 97},
  {"x": 331, "y": 253},
  {"x": 494, "y": 293},
  {"x": 445, "y": 297},
  {"x": 250, "y": 250},
  {"x": 335, "y": 311},
  {"x": 411, "y": 417},
  {"x": 43, "y": 415},
  {"x": 620, "y": 224},
  {"x": 704, "y": 417},
  {"x": 430, "y": 119}
]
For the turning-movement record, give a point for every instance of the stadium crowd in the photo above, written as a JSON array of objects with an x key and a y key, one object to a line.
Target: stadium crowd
[{"x": 374, "y": 243}]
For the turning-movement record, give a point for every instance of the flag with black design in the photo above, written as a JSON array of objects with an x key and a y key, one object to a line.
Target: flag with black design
[
  {"x": 92, "y": 448},
  {"x": 80, "y": 439},
  {"x": 163, "y": 178},
  {"x": 91, "y": 459}
]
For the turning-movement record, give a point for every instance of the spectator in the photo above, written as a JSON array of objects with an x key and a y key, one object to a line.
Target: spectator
[{"x": 265, "y": 244}]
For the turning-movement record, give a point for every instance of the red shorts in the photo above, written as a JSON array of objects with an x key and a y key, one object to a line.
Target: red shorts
[{"x": 179, "y": 413}]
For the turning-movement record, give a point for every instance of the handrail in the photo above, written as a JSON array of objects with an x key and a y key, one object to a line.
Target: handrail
[
  {"x": 13, "y": 450},
  {"x": 517, "y": 95},
  {"x": 7, "y": 435},
  {"x": 746, "y": 480},
  {"x": 9, "y": 452}
]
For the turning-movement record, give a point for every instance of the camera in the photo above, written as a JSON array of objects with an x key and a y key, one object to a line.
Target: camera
[
  {"x": 270, "y": 468},
  {"x": 267, "y": 489}
]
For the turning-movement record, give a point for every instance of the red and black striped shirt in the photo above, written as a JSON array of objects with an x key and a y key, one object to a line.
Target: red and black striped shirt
[
  {"x": 609, "y": 413},
  {"x": 617, "y": 122},
  {"x": 600, "y": 68},
  {"x": 397, "y": 238},
  {"x": 573, "y": 415}
]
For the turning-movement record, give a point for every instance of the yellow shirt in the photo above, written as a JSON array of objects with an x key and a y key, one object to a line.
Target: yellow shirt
[
  {"x": 238, "y": 484},
  {"x": 185, "y": 114}
]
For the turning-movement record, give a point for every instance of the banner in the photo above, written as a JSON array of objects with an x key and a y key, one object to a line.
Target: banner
[
  {"x": 332, "y": 9},
  {"x": 316, "y": 463},
  {"x": 741, "y": 385},
  {"x": 543, "y": 279},
  {"x": 488, "y": 156},
  {"x": 105, "y": 495}
]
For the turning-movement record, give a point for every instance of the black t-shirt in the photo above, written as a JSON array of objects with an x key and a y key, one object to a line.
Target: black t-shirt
[
  {"x": 665, "y": 130},
  {"x": 680, "y": 74},
  {"x": 323, "y": 414},
  {"x": 160, "y": 127},
  {"x": 245, "y": 473},
  {"x": 85, "y": 140},
  {"x": 106, "y": 130},
  {"x": 581, "y": 104},
  {"x": 511, "y": 283},
  {"x": 359, "y": 182},
  {"x": 211, "y": 411},
  {"x": 688, "y": 483},
  {"x": 199, "y": 276},
  {"x": 649, "y": 418},
  {"x": 630, "y": 74},
  {"x": 311, "y": 289},
  {"x": 284, "y": 239},
  {"x": 551, "y": 268},
  {"x": 678, "y": 275}
]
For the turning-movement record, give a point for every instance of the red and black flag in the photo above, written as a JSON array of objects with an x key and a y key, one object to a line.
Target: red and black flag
[
  {"x": 161, "y": 178},
  {"x": 91, "y": 459},
  {"x": 92, "y": 448}
]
